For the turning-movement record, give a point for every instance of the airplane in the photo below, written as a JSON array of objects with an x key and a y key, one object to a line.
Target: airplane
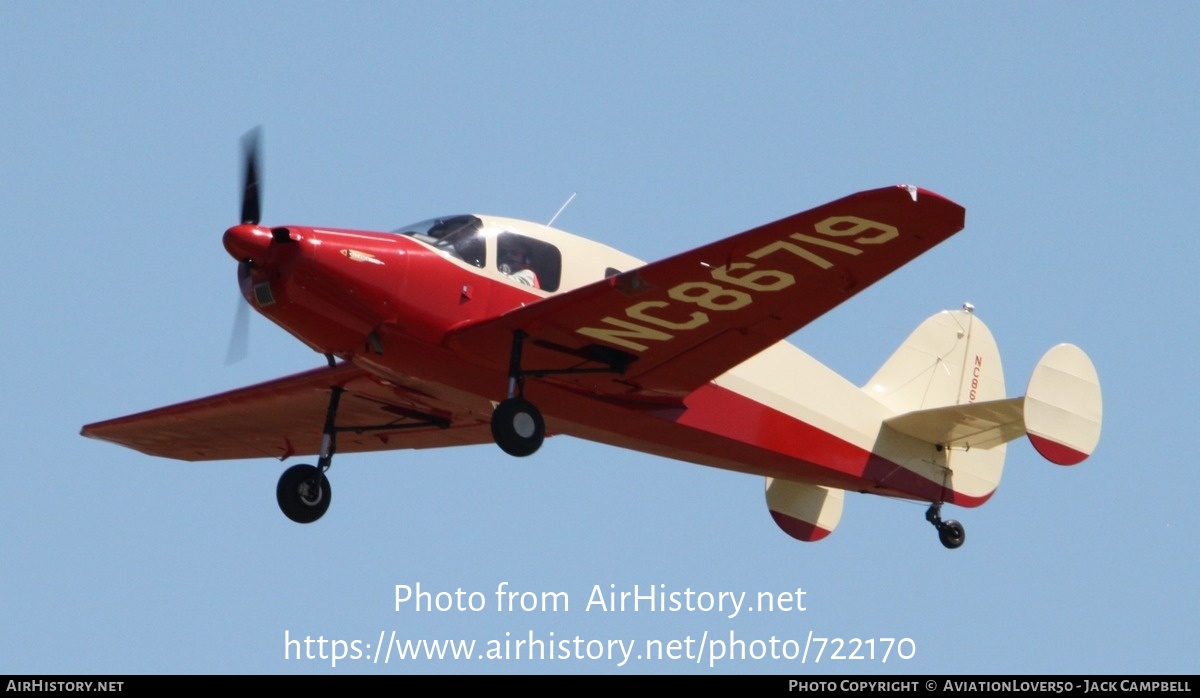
[{"x": 470, "y": 329}]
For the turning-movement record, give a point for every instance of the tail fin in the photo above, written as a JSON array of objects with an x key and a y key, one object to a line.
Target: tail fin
[
  {"x": 946, "y": 386},
  {"x": 950, "y": 359},
  {"x": 1063, "y": 406},
  {"x": 804, "y": 512},
  {"x": 949, "y": 362}
]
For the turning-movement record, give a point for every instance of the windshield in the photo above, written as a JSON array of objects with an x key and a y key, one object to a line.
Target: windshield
[{"x": 457, "y": 235}]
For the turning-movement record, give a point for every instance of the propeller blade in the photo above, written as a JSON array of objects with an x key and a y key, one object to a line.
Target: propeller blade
[
  {"x": 239, "y": 337},
  {"x": 251, "y": 208}
]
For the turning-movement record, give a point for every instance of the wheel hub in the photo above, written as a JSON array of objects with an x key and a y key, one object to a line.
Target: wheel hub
[
  {"x": 524, "y": 425},
  {"x": 311, "y": 493}
]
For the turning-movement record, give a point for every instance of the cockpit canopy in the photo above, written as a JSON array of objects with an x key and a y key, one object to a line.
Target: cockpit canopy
[
  {"x": 458, "y": 235},
  {"x": 467, "y": 238}
]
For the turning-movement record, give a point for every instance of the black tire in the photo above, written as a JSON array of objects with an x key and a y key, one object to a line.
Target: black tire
[
  {"x": 518, "y": 427},
  {"x": 952, "y": 534},
  {"x": 303, "y": 493}
]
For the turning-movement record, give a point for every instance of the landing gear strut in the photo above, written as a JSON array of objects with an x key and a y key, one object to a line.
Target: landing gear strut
[
  {"x": 950, "y": 532},
  {"x": 517, "y": 425},
  {"x": 303, "y": 492}
]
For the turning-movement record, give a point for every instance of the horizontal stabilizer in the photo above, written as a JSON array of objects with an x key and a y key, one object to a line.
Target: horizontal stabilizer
[
  {"x": 973, "y": 425},
  {"x": 1060, "y": 413},
  {"x": 804, "y": 512},
  {"x": 1063, "y": 407}
]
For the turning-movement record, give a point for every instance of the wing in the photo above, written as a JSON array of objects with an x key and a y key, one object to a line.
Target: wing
[
  {"x": 667, "y": 328},
  {"x": 286, "y": 417}
]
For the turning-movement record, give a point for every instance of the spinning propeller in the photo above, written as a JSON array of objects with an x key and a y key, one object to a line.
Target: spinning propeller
[
  {"x": 251, "y": 209},
  {"x": 239, "y": 339}
]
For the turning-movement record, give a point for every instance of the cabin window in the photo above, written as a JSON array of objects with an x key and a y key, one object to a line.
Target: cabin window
[{"x": 527, "y": 261}]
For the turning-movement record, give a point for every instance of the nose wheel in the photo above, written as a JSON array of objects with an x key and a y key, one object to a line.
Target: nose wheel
[{"x": 950, "y": 532}]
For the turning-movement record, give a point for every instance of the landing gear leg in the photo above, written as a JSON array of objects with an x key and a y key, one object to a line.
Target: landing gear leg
[
  {"x": 517, "y": 426},
  {"x": 950, "y": 532},
  {"x": 303, "y": 492}
]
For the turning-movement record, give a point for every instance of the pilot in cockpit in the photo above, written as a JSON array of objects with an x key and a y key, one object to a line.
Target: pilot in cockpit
[{"x": 515, "y": 261}]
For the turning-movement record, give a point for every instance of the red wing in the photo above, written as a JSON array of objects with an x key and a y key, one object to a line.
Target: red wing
[
  {"x": 676, "y": 324},
  {"x": 286, "y": 416}
]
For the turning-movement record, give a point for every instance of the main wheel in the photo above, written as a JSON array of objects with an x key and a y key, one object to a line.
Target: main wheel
[
  {"x": 952, "y": 534},
  {"x": 303, "y": 493},
  {"x": 518, "y": 427}
]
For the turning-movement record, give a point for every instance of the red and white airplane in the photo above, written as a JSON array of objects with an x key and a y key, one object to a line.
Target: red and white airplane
[{"x": 470, "y": 329}]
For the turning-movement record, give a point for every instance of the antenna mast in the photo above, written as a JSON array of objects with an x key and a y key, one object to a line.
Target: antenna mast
[{"x": 561, "y": 208}]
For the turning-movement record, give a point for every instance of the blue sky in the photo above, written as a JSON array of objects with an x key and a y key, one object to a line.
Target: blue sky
[{"x": 1067, "y": 130}]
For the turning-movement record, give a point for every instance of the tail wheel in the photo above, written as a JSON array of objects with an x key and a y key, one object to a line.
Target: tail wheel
[
  {"x": 952, "y": 534},
  {"x": 303, "y": 493},
  {"x": 518, "y": 427}
]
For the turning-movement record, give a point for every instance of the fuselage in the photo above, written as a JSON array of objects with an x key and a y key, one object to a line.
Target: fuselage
[{"x": 386, "y": 301}]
